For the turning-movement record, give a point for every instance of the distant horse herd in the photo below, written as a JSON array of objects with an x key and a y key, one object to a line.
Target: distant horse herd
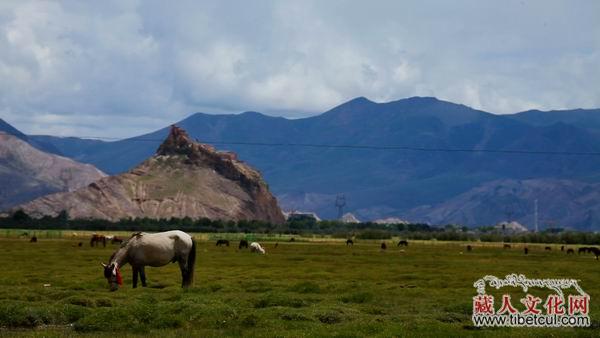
[
  {"x": 570, "y": 251},
  {"x": 175, "y": 246},
  {"x": 97, "y": 239}
]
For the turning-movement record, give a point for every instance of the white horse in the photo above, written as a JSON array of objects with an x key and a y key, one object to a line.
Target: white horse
[
  {"x": 255, "y": 247},
  {"x": 154, "y": 250}
]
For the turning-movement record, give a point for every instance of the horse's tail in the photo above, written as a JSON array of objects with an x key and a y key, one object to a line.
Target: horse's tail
[{"x": 191, "y": 263}]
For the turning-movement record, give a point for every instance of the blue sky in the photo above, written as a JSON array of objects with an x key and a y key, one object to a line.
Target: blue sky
[{"x": 123, "y": 68}]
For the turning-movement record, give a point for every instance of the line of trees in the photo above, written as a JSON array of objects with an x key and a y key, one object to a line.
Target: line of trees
[{"x": 337, "y": 229}]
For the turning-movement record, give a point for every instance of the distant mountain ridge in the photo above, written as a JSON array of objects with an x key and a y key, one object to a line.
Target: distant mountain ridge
[{"x": 380, "y": 183}]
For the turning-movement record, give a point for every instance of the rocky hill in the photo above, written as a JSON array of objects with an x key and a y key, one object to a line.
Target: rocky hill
[
  {"x": 183, "y": 179},
  {"x": 27, "y": 173}
]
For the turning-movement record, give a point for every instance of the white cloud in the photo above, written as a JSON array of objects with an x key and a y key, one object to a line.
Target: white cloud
[{"x": 70, "y": 67}]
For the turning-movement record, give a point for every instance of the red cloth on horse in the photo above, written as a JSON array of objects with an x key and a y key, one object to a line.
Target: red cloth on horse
[{"x": 119, "y": 278}]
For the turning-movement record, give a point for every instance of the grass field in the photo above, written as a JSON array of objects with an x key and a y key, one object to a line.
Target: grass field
[{"x": 305, "y": 288}]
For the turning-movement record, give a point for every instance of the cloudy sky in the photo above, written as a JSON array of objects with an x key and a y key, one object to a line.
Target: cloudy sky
[{"x": 123, "y": 68}]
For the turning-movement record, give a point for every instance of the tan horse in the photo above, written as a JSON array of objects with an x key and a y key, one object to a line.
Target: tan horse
[{"x": 153, "y": 250}]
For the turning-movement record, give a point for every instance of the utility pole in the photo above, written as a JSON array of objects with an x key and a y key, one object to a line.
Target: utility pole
[
  {"x": 340, "y": 202},
  {"x": 535, "y": 214},
  {"x": 509, "y": 212}
]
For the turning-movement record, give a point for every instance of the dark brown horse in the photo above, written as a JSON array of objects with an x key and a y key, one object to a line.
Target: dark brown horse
[
  {"x": 96, "y": 239},
  {"x": 349, "y": 242},
  {"x": 222, "y": 242},
  {"x": 243, "y": 244},
  {"x": 403, "y": 243},
  {"x": 116, "y": 240}
]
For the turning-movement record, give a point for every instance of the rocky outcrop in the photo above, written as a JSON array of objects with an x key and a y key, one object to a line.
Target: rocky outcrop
[
  {"x": 27, "y": 173},
  {"x": 183, "y": 179}
]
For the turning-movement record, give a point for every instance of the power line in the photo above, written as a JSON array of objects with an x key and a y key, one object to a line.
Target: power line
[{"x": 366, "y": 147}]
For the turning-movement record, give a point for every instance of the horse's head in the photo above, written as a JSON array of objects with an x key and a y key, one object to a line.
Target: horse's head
[{"x": 113, "y": 276}]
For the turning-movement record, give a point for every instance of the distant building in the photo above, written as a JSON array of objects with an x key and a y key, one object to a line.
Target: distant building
[
  {"x": 391, "y": 220},
  {"x": 301, "y": 216},
  {"x": 349, "y": 218},
  {"x": 511, "y": 227}
]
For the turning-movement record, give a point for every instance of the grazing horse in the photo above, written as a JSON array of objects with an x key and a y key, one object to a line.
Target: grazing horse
[
  {"x": 469, "y": 248},
  {"x": 403, "y": 243},
  {"x": 570, "y": 251},
  {"x": 33, "y": 240},
  {"x": 255, "y": 247},
  {"x": 154, "y": 250},
  {"x": 526, "y": 250},
  {"x": 506, "y": 246},
  {"x": 243, "y": 244},
  {"x": 548, "y": 248},
  {"x": 292, "y": 239},
  {"x": 583, "y": 249},
  {"x": 383, "y": 246},
  {"x": 222, "y": 242},
  {"x": 349, "y": 242},
  {"x": 98, "y": 238},
  {"x": 116, "y": 240},
  {"x": 562, "y": 248}
]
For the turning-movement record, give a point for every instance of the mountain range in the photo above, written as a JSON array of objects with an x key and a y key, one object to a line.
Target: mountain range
[{"x": 418, "y": 159}]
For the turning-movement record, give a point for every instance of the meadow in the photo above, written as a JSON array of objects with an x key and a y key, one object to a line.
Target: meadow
[{"x": 312, "y": 287}]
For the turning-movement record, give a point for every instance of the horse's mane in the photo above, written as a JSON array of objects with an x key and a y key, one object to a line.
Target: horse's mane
[
  {"x": 137, "y": 234},
  {"x": 134, "y": 235}
]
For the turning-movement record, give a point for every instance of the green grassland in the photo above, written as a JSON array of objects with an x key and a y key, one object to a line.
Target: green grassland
[{"x": 308, "y": 288}]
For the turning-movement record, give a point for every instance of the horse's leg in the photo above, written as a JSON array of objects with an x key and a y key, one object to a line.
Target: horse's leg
[
  {"x": 185, "y": 272},
  {"x": 135, "y": 276},
  {"x": 143, "y": 275},
  {"x": 183, "y": 268}
]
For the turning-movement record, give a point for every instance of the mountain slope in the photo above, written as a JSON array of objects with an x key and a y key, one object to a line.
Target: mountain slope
[
  {"x": 27, "y": 173},
  {"x": 39, "y": 144},
  {"x": 582, "y": 118},
  {"x": 564, "y": 203},
  {"x": 183, "y": 179}
]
